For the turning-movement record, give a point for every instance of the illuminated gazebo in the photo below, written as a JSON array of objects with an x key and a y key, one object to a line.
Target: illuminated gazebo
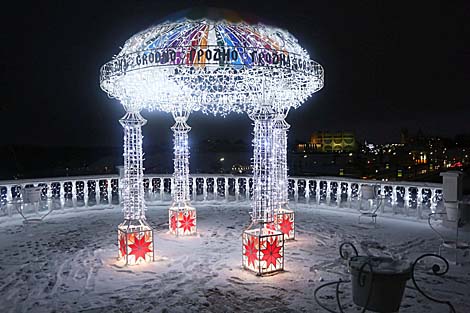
[{"x": 218, "y": 67}]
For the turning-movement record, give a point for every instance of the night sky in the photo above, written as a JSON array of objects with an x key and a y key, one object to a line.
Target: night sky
[{"x": 388, "y": 65}]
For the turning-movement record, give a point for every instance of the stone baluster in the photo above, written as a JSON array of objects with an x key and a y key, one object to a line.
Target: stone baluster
[
  {"x": 307, "y": 191},
  {"x": 317, "y": 191},
  {"x": 433, "y": 200},
  {"x": 9, "y": 193},
  {"x": 338, "y": 193},
  {"x": 194, "y": 188},
  {"x": 226, "y": 188},
  {"x": 419, "y": 202},
  {"x": 109, "y": 190},
  {"x": 97, "y": 191},
  {"x": 328, "y": 191},
  {"x": 237, "y": 189},
  {"x": 383, "y": 197},
  {"x": 296, "y": 190},
  {"x": 74, "y": 193},
  {"x": 407, "y": 199},
  {"x": 61, "y": 191},
  {"x": 162, "y": 188},
  {"x": 394, "y": 197},
  {"x": 349, "y": 192},
  {"x": 85, "y": 192},
  {"x": 204, "y": 189}
]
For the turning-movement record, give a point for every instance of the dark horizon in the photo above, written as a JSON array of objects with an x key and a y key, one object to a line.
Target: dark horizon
[{"x": 387, "y": 67}]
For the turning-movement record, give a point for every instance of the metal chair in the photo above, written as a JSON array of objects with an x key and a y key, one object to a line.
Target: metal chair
[
  {"x": 453, "y": 243},
  {"x": 30, "y": 196},
  {"x": 370, "y": 193}
]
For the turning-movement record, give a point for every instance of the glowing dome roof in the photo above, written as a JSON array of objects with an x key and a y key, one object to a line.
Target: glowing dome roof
[
  {"x": 214, "y": 66},
  {"x": 206, "y": 33}
]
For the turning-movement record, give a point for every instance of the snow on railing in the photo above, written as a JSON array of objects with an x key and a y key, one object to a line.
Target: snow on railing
[{"x": 408, "y": 198}]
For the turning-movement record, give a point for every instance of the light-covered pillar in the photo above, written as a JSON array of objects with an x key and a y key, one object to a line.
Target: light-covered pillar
[
  {"x": 284, "y": 216},
  {"x": 135, "y": 236},
  {"x": 263, "y": 204},
  {"x": 182, "y": 216},
  {"x": 263, "y": 242}
]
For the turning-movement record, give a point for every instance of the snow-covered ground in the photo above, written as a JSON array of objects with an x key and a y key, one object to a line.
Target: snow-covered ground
[{"x": 68, "y": 263}]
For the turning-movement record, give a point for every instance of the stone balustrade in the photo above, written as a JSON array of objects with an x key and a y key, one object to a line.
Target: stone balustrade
[{"x": 401, "y": 197}]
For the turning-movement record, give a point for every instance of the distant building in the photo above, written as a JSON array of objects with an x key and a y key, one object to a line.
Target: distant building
[{"x": 329, "y": 142}]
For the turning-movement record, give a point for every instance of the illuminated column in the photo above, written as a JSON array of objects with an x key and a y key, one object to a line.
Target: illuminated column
[
  {"x": 263, "y": 245},
  {"x": 263, "y": 167},
  {"x": 182, "y": 217},
  {"x": 280, "y": 157},
  {"x": 284, "y": 219},
  {"x": 135, "y": 236}
]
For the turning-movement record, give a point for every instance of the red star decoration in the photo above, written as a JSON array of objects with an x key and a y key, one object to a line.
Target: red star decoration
[
  {"x": 173, "y": 222},
  {"x": 271, "y": 253},
  {"x": 187, "y": 222},
  {"x": 270, "y": 226},
  {"x": 122, "y": 245},
  {"x": 140, "y": 247},
  {"x": 286, "y": 225},
  {"x": 251, "y": 252}
]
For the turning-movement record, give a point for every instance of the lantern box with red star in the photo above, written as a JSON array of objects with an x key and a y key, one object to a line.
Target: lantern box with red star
[
  {"x": 285, "y": 223},
  {"x": 182, "y": 221},
  {"x": 135, "y": 242},
  {"x": 263, "y": 250}
]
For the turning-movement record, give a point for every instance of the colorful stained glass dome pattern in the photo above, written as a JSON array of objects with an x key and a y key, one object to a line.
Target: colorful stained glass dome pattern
[{"x": 209, "y": 34}]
